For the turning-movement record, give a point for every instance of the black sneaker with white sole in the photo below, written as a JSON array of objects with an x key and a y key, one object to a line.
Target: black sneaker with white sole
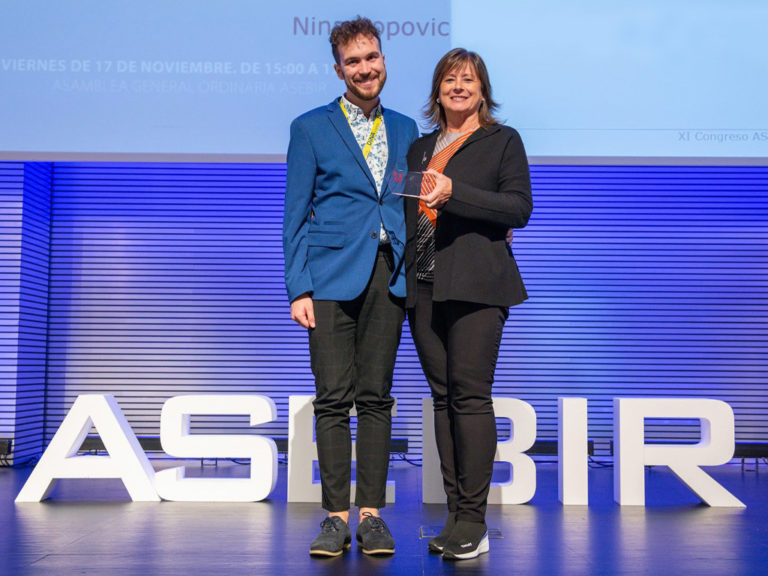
[
  {"x": 374, "y": 537},
  {"x": 334, "y": 538},
  {"x": 467, "y": 540},
  {"x": 437, "y": 543}
]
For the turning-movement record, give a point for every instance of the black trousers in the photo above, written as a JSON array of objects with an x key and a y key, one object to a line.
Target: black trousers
[
  {"x": 458, "y": 345},
  {"x": 353, "y": 349}
]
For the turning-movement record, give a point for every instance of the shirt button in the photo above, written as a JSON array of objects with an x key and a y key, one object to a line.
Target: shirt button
[{"x": 374, "y": 235}]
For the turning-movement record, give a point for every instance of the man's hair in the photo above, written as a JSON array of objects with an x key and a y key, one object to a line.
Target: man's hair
[{"x": 348, "y": 30}]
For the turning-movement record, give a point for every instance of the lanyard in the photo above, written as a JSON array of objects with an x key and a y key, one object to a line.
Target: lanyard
[{"x": 374, "y": 129}]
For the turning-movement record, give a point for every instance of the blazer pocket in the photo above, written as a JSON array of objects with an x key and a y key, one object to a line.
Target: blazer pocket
[{"x": 326, "y": 239}]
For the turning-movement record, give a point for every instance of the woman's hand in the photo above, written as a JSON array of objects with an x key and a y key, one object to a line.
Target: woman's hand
[{"x": 442, "y": 191}]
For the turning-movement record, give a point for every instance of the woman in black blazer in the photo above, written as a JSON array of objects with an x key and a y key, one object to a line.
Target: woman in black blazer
[{"x": 462, "y": 279}]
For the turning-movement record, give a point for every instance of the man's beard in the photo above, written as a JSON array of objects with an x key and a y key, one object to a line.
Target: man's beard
[{"x": 370, "y": 94}]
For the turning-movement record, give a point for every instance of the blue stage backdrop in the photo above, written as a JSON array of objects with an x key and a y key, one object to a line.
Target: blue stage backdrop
[
  {"x": 167, "y": 279},
  {"x": 645, "y": 258}
]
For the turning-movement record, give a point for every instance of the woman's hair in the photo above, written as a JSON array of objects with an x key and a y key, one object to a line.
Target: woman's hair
[{"x": 455, "y": 60}]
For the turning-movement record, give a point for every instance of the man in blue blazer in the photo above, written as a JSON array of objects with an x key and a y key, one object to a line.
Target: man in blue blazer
[{"x": 343, "y": 240}]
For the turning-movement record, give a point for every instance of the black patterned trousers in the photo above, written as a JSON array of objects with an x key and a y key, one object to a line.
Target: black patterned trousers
[{"x": 353, "y": 349}]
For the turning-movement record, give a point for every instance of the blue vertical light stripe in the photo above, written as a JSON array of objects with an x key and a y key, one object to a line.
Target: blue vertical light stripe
[
  {"x": 33, "y": 311},
  {"x": 24, "y": 242},
  {"x": 11, "y": 199}
]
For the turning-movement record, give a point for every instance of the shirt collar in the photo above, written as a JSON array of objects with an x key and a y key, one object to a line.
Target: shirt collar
[{"x": 356, "y": 113}]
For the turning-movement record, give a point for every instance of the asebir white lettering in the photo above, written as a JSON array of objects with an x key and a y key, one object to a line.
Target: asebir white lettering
[{"x": 126, "y": 460}]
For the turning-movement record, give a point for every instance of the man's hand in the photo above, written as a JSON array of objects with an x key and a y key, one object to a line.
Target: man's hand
[{"x": 303, "y": 311}]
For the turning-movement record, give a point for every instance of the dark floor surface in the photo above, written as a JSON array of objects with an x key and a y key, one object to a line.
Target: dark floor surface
[{"x": 91, "y": 527}]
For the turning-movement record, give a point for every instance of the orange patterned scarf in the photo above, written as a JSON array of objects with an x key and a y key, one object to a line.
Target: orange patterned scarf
[{"x": 438, "y": 163}]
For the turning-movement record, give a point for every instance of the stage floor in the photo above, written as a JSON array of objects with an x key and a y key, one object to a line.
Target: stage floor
[{"x": 91, "y": 527}]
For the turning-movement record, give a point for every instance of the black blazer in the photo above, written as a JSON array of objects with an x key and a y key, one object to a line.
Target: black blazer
[{"x": 491, "y": 193}]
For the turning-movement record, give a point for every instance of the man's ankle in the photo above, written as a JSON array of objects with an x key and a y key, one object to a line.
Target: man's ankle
[
  {"x": 343, "y": 515},
  {"x": 371, "y": 511}
]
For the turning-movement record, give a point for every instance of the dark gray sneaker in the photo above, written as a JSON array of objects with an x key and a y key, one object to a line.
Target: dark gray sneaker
[
  {"x": 334, "y": 538},
  {"x": 373, "y": 536},
  {"x": 468, "y": 540},
  {"x": 437, "y": 543}
]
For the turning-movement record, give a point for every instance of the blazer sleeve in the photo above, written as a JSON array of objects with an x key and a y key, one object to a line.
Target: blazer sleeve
[
  {"x": 299, "y": 190},
  {"x": 511, "y": 203},
  {"x": 414, "y": 133}
]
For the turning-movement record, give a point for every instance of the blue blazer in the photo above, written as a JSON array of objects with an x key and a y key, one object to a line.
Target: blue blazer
[{"x": 332, "y": 211}]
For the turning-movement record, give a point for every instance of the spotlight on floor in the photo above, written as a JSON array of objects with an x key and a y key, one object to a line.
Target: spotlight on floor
[
  {"x": 756, "y": 450},
  {"x": 6, "y": 444}
]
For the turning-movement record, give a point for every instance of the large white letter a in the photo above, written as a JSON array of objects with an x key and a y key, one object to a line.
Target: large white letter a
[{"x": 126, "y": 460}]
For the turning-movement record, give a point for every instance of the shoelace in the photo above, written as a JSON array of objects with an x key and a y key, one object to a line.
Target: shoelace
[
  {"x": 327, "y": 525},
  {"x": 376, "y": 523}
]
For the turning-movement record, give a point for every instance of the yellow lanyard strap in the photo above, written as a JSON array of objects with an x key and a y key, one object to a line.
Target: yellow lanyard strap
[{"x": 374, "y": 129}]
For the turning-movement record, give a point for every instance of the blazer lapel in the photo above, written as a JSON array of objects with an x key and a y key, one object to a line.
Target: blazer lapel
[
  {"x": 393, "y": 145},
  {"x": 428, "y": 144},
  {"x": 479, "y": 134},
  {"x": 340, "y": 123},
  {"x": 427, "y": 147}
]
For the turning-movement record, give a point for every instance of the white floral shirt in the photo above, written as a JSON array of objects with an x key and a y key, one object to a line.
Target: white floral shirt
[
  {"x": 379, "y": 154},
  {"x": 361, "y": 128}
]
